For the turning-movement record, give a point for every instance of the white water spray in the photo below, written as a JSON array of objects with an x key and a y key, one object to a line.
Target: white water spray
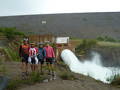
[{"x": 92, "y": 68}]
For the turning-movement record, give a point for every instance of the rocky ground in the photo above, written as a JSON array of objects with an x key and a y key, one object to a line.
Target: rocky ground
[{"x": 81, "y": 83}]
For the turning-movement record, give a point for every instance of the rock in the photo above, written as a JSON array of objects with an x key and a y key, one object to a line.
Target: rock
[
  {"x": 3, "y": 83},
  {"x": 46, "y": 80}
]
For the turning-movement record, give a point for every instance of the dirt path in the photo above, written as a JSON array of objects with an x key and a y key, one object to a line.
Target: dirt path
[
  {"x": 10, "y": 69},
  {"x": 83, "y": 84}
]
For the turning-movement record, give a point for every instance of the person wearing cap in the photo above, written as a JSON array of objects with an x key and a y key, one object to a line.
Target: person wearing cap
[
  {"x": 50, "y": 59},
  {"x": 33, "y": 57},
  {"x": 41, "y": 56},
  {"x": 24, "y": 54}
]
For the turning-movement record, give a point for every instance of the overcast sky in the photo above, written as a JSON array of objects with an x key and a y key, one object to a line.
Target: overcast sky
[{"x": 22, "y": 7}]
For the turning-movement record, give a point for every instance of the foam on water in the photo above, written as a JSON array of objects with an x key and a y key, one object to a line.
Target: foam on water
[{"x": 92, "y": 68}]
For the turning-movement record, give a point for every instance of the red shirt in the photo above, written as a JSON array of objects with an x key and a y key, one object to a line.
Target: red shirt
[
  {"x": 49, "y": 52},
  {"x": 36, "y": 49},
  {"x": 24, "y": 49},
  {"x": 33, "y": 51}
]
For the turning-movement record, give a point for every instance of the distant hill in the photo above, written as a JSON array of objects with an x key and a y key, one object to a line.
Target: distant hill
[{"x": 81, "y": 25}]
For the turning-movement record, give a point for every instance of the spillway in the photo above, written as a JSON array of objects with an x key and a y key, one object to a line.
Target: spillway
[{"x": 92, "y": 68}]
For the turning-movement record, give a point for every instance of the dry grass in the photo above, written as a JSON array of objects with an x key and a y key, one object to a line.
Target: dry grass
[{"x": 112, "y": 44}]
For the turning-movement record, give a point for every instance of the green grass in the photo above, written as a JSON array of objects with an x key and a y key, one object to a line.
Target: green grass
[
  {"x": 36, "y": 77},
  {"x": 99, "y": 42},
  {"x": 15, "y": 84},
  {"x": 84, "y": 46},
  {"x": 32, "y": 79},
  {"x": 12, "y": 54},
  {"x": 107, "y": 39},
  {"x": 67, "y": 75},
  {"x": 74, "y": 38},
  {"x": 11, "y": 33},
  {"x": 108, "y": 44},
  {"x": 3, "y": 70}
]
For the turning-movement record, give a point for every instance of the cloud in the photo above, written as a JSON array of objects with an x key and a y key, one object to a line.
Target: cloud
[{"x": 21, "y": 7}]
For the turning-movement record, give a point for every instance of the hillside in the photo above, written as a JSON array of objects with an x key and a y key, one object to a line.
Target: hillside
[
  {"x": 11, "y": 69},
  {"x": 81, "y": 25}
]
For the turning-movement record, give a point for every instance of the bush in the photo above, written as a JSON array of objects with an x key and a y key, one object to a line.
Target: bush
[
  {"x": 85, "y": 46},
  {"x": 100, "y": 38},
  {"x": 11, "y": 33},
  {"x": 106, "y": 38},
  {"x": 110, "y": 39},
  {"x": 53, "y": 45}
]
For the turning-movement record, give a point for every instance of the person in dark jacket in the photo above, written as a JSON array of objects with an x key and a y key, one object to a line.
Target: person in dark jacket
[
  {"x": 41, "y": 56},
  {"x": 24, "y": 54}
]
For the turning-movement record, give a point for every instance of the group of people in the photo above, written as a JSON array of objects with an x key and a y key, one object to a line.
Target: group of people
[{"x": 34, "y": 57}]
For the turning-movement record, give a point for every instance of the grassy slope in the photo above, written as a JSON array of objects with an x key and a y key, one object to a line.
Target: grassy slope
[{"x": 77, "y": 41}]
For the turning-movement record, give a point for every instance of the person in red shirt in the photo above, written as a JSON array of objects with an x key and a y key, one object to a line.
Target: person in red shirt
[
  {"x": 50, "y": 59},
  {"x": 24, "y": 54}
]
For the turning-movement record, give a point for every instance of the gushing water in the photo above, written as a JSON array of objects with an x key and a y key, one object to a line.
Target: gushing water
[{"x": 92, "y": 68}]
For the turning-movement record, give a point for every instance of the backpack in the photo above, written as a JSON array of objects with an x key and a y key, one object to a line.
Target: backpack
[{"x": 41, "y": 53}]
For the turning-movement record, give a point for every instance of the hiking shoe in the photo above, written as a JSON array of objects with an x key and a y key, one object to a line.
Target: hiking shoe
[
  {"x": 54, "y": 76},
  {"x": 26, "y": 73},
  {"x": 23, "y": 75},
  {"x": 51, "y": 78}
]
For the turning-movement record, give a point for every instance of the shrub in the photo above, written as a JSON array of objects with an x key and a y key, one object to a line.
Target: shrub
[
  {"x": 12, "y": 54},
  {"x": 106, "y": 38},
  {"x": 110, "y": 39},
  {"x": 53, "y": 45},
  {"x": 11, "y": 33},
  {"x": 100, "y": 38},
  {"x": 85, "y": 46}
]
